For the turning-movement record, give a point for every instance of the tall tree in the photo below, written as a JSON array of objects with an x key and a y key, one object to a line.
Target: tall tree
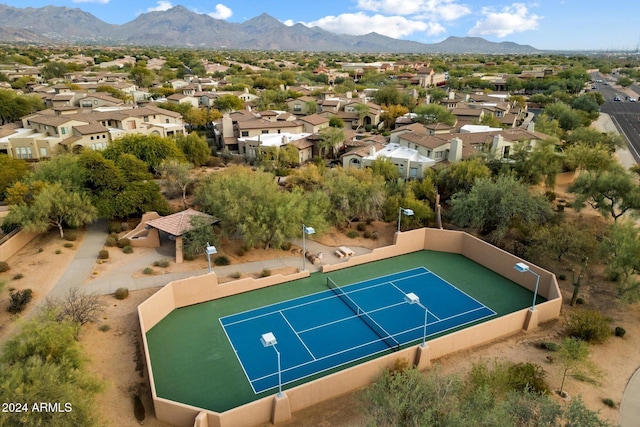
[
  {"x": 620, "y": 247},
  {"x": 434, "y": 113},
  {"x": 54, "y": 206},
  {"x": 494, "y": 207},
  {"x": 11, "y": 170},
  {"x": 612, "y": 192},
  {"x": 151, "y": 149},
  {"x": 330, "y": 140},
  {"x": 195, "y": 148}
]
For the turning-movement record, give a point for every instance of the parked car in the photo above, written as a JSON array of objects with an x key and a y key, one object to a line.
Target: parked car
[
  {"x": 632, "y": 100},
  {"x": 617, "y": 98}
]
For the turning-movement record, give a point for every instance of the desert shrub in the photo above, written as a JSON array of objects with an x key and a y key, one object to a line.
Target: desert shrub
[
  {"x": 366, "y": 234},
  {"x": 235, "y": 275},
  {"x": 127, "y": 249},
  {"x": 4, "y": 266},
  {"x": 353, "y": 234},
  {"x": 18, "y": 276},
  {"x": 286, "y": 246},
  {"x": 265, "y": 273},
  {"x": 121, "y": 293},
  {"x": 549, "y": 346},
  {"x": 58, "y": 252},
  {"x": 619, "y": 331},
  {"x": 587, "y": 325},
  {"x": 68, "y": 245},
  {"x": 111, "y": 241},
  {"x": 138, "y": 408},
  {"x": 580, "y": 301},
  {"x": 562, "y": 277},
  {"x": 221, "y": 260},
  {"x": 115, "y": 227},
  {"x": 374, "y": 235},
  {"x": 609, "y": 402},
  {"x": 103, "y": 254},
  {"x": 121, "y": 243},
  {"x": 361, "y": 226},
  {"x": 163, "y": 263},
  {"x": 240, "y": 252},
  {"x": 550, "y": 195},
  {"x": 18, "y": 300},
  {"x": 104, "y": 327},
  {"x": 148, "y": 270},
  {"x": 71, "y": 236},
  {"x": 527, "y": 376}
]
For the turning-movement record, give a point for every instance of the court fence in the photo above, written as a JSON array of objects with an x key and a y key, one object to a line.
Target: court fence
[{"x": 277, "y": 409}]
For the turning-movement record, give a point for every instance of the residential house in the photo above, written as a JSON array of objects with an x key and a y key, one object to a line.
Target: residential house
[
  {"x": 251, "y": 146},
  {"x": 314, "y": 123}
]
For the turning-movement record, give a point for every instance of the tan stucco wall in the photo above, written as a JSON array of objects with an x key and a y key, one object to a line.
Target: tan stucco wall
[
  {"x": 204, "y": 288},
  {"x": 15, "y": 243}
]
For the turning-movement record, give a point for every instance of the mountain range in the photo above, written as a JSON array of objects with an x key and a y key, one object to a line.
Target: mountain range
[{"x": 180, "y": 27}]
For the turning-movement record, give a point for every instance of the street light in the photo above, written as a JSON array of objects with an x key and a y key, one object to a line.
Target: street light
[
  {"x": 211, "y": 250},
  {"x": 523, "y": 268},
  {"x": 269, "y": 340},
  {"x": 403, "y": 211},
  {"x": 412, "y": 298},
  {"x": 305, "y": 230}
]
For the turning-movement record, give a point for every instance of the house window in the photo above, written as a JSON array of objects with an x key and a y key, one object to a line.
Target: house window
[
  {"x": 145, "y": 119},
  {"x": 264, "y": 131},
  {"x": 297, "y": 107},
  {"x": 438, "y": 154},
  {"x": 23, "y": 152},
  {"x": 43, "y": 152},
  {"x": 92, "y": 138},
  {"x": 413, "y": 172},
  {"x": 63, "y": 130},
  {"x": 166, "y": 121},
  {"x": 245, "y": 133}
]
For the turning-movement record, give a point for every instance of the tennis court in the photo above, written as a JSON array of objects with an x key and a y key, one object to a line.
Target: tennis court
[{"x": 346, "y": 323}]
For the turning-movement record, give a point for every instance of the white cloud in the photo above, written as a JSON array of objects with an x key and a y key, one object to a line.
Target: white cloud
[
  {"x": 92, "y": 1},
  {"x": 161, "y": 6},
  {"x": 289, "y": 23},
  {"x": 511, "y": 19},
  {"x": 222, "y": 12},
  {"x": 431, "y": 10},
  {"x": 361, "y": 23}
]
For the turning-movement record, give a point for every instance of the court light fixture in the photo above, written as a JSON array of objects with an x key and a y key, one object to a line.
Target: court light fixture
[
  {"x": 403, "y": 211},
  {"x": 210, "y": 250},
  {"x": 305, "y": 231},
  {"x": 412, "y": 298},
  {"x": 524, "y": 268},
  {"x": 269, "y": 340}
]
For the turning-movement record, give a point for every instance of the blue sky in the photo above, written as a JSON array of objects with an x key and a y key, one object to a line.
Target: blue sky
[{"x": 556, "y": 25}]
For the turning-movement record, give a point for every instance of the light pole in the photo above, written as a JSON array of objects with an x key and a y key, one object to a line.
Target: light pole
[
  {"x": 269, "y": 340},
  {"x": 523, "y": 268},
  {"x": 412, "y": 298},
  {"x": 305, "y": 230},
  {"x": 210, "y": 250},
  {"x": 403, "y": 211}
]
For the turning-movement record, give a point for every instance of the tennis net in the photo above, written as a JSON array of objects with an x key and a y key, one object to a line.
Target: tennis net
[{"x": 363, "y": 315}]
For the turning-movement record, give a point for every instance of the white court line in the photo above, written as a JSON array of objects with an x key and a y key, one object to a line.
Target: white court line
[
  {"x": 350, "y": 317},
  {"x": 461, "y": 291},
  {"x": 299, "y": 338},
  {"x": 238, "y": 357}
]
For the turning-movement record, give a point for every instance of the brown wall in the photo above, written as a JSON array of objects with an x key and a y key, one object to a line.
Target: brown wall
[
  {"x": 203, "y": 288},
  {"x": 15, "y": 243}
]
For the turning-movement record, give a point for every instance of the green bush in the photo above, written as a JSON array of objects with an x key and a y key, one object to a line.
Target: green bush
[
  {"x": 68, "y": 245},
  {"x": 579, "y": 301},
  {"x": 104, "y": 327},
  {"x": 235, "y": 275},
  {"x": 163, "y": 263},
  {"x": 527, "y": 376},
  {"x": 127, "y": 249},
  {"x": 240, "y": 252},
  {"x": 148, "y": 270},
  {"x": 188, "y": 256},
  {"x": 121, "y": 293},
  {"x": 562, "y": 277},
  {"x": 549, "y": 346},
  {"x": 374, "y": 235},
  {"x": 221, "y": 260},
  {"x": 103, "y": 254},
  {"x": 619, "y": 331},
  {"x": 18, "y": 300},
  {"x": 4, "y": 266},
  {"x": 587, "y": 325},
  {"x": 58, "y": 251},
  {"x": 18, "y": 276},
  {"x": 115, "y": 227},
  {"x": 366, "y": 234},
  {"x": 361, "y": 226},
  {"x": 609, "y": 402},
  {"x": 122, "y": 243},
  {"x": 265, "y": 273},
  {"x": 111, "y": 241},
  {"x": 353, "y": 234},
  {"x": 70, "y": 236},
  {"x": 286, "y": 246}
]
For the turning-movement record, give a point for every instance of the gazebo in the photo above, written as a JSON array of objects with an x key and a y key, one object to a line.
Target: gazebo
[{"x": 146, "y": 234}]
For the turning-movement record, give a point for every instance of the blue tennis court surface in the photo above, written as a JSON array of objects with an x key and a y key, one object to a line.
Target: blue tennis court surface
[{"x": 328, "y": 329}]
